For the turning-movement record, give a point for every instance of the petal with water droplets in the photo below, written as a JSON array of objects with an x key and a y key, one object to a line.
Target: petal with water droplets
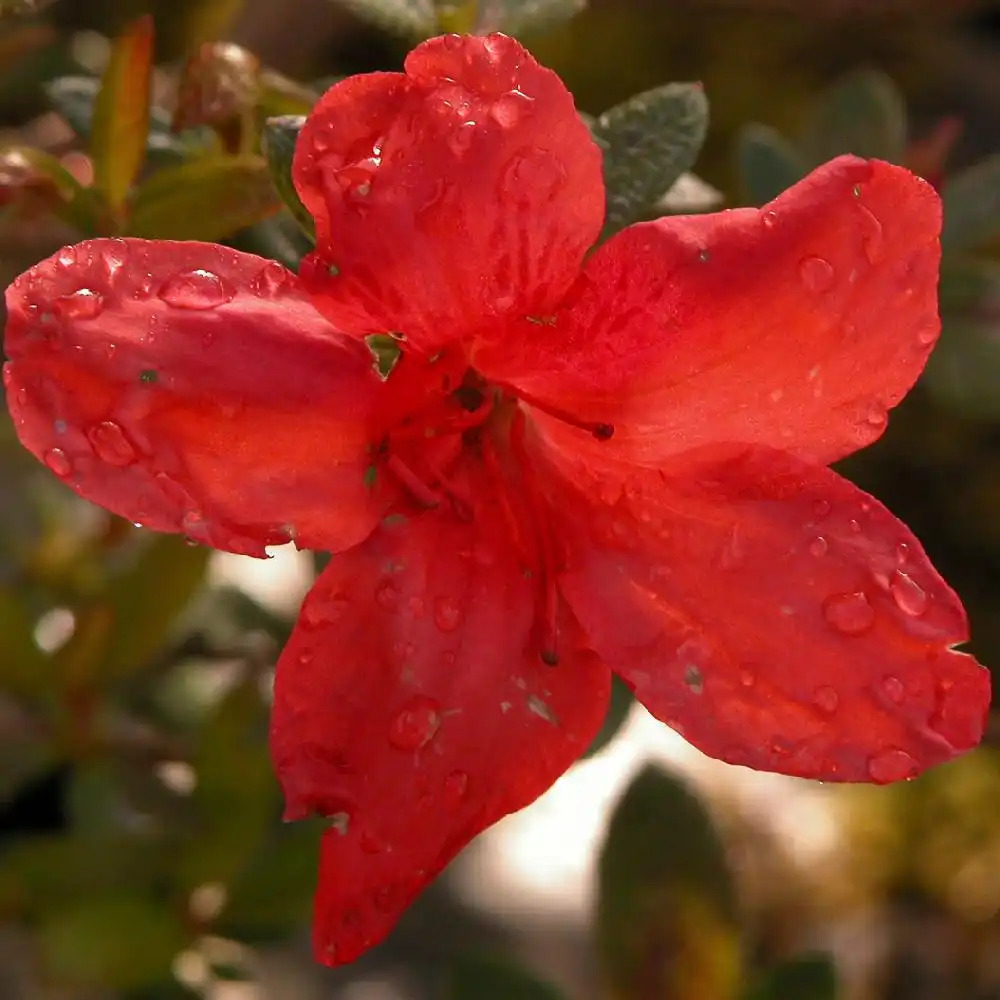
[
  {"x": 423, "y": 716},
  {"x": 781, "y": 655},
  {"x": 448, "y": 199},
  {"x": 192, "y": 388},
  {"x": 796, "y": 330}
]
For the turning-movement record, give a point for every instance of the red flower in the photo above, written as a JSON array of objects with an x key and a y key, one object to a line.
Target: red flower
[{"x": 578, "y": 464}]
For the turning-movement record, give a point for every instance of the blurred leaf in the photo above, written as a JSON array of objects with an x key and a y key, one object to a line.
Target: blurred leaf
[
  {"x": 619, "y": 707},
  {"x": 273, "y": 895},
  {"x": 29, "y": 172},
  {"x": 208, "y": 20},
  {"x": 667, "y": 925},
  {"x": 25, "y": 670},
  {"x": 482, "y": 977},
  {"x": 121, "y": 112},
  {"x": 18, "y": 8},
  {"x": 865, "y": 114},
  {"x": 963, "y": 371},
  {"x": 972, "y": 206},
  {"x": 146, "y": 599},
  {"x": 115, "y": 941},
  {"x": 25, "y": 755},
  {"x": 649, "y": 141},
  {"x": 236, "y": 796},
  {"x": 280, "y": 238},
  {"x": 278, "y": 140},
  {"x": 515, "y": 17},
  {"x": 413, "y": 18},
  {"x": 281, "y": 96},
  {"x": 806, "y": 977},
  {"x": 208, "y": 199},
  {"x": 768, "y": 163}
]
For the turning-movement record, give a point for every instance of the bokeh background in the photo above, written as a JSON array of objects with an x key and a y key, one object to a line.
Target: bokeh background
[{"x": 141, "y": 850}]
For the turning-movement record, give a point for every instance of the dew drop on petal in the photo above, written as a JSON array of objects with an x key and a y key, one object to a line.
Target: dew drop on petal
[
  {"x": 769, "y": 219},
  {"x": 871, "y": 237},
  {"x": 447, "y": 614},
  {"x": 816, "y": 274},
  {"x": 84, "y": 303},
  {"x": 111, "y": 444},
  {"x": 58, "y": 461},
  {"x": 821, "y": 509},
  {"x": 891, "y": 765},
  {"x": 748, "y": 677},
  {"x": 507, "y": 110},
  {"x": 270, "y": 281},
  {"x": 818, "y": 546},
  {"x": 826, "y": 699},
  {"x": 909, "y": 596},
  {"x": 893, "y": 689},
  {"x": 850, "y": 614},
  {"x": 387, "y": 595},
  {"x": 197, "y": 290},
  {"x": 455, "y": 785},
  {"x": 416, "y": 724}
]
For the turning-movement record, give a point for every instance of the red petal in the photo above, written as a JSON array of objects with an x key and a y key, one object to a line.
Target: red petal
[
  {"x": 796, "y": 327},
  {"x": 192, "y": 388},
  {"x": 412, "y": 706},
  {"x": 777, "y": 617},
  {"x": 449, "y": 198}
]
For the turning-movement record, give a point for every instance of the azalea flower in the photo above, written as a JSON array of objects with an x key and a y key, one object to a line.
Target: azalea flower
[{"x": 583, "y": 462}]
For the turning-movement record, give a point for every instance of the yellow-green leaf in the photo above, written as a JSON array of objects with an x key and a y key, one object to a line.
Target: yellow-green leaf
[
  {"x": 208, "y": 199},
  {"x": 121, "y": 113}
]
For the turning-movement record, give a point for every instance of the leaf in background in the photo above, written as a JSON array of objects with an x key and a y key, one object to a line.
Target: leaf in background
[
  {"x": 146, "y": 599},
  {"x": 806, "y": 977},
  {"x": 649, "y": 141},
  {"x": 482, "y": 977},
  {"x": 121, "y": 112},
  {"x": 516, "y": 17},
  {"x": 207, "y": 199},
  {"x": 667, "y": 924},
  {"x": 281, "y": 96},
  {"x": 112, "y": 942},
  {"x": 207, "y": 20},
  {"x": 412, "y": 18},
  {"x": 278, "y": 141},
  {"x": 863, "y": 113},
  {"x": 29, "y": 174},
  {"x": 236, "y": 798},
  {"x": 18, "y": 8},
  {"x": 280, "y": 238},
  {"x": 972, "y": 206},
  {"x": 25, "y": 671},
  {"x": 768, "y": 163},
  {"x": 619, "y": 707},
  {"x": 220, "y": 83}
]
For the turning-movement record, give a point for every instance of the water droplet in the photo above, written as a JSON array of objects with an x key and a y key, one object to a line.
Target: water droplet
[
  {"x": 114, "y": 257},
  {"x": 111, "y": 444},
  {"x": 507, "y": 111},
  {"x": 928, "y": 332},
  {"x": 817, "y": 274},
  {"x": 322, "y": 140},
  {"x": 747, "y": 677},
  {"x": 58, "y": 461},
  {"x": 66, "y": 257},
  {"x": 704, "y": 256},
  {"x": 902, "y": 552},
  {"x": 416, "y": 724},
  {"x": 826, "y": 699},
  {"x": 850, "y": 614},
  {"x": 854, "y": 526},
  {"x": 84, "y": 303},
  {"x": 769, "y": 219},
  {"x": 818, "y": 546},
  {"x": 891, "y": 765},
  {"x": 197, "y": 289},
  {"x": 109, "y": 350},
  {"x": 306, "y": 657},
  {"x": 909, "y": 596},
  {"x": 893, "y": 689},
  {"x": 271, "y": 280},
  {"x": 872, "y": 238},
  {"x": 875, "y": 414},
  {"x": 387, "y": 595},
  {"x": 447, "y": 614},
  {"x": 455, "y": 785},
  {"x": 460, "y": 139},
  {"x": 541, "y": 709},
  {"x": 821, "y": 509},
  {"x": 734, "y": 553}
]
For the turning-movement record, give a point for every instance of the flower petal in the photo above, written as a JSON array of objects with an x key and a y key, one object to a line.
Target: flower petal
[
  {"x": 450, "y": 198},
  {"x": 797, "y": 326},
  {"x": 777, "y": 617},
  {"x": 412, "y": 707},
  {"x": 192, "y": 388}
]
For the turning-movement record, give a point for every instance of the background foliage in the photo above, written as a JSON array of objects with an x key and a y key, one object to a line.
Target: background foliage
[{"x": 142, "y": 855}]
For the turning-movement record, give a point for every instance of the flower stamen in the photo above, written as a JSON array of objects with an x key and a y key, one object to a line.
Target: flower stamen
[{"x": 600, "y": 430}]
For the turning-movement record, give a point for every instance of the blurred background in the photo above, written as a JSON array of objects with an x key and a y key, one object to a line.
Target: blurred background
[{"x": 142, "y": 855}]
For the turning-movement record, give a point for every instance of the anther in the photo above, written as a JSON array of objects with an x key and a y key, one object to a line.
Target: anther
[{"x": 601, "y": 431}]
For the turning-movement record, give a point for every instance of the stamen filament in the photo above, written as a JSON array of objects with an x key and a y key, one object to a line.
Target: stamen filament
[{"x": 601, "y": 431}]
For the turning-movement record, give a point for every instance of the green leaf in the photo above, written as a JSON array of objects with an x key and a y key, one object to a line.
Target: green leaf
[
  {"x": 806, "y": 977},
  {"x": 768, "y": 163},
  {"x": 280, "y": 238},
  {"x": 667, "y": 922},
  {"x": 412, "y": 18},
  {"x": 208, "y": 199},
  {"x": 33, "y": 170},
  {"x": 278, "y": 142},
  {"x": 484, "y": 977},
  {"x": 115, "y": 941},
  {"x": 146, "y": 599},
  {"x": 121, "y": 112},
  {"x": 516, "y": 17},
  {"x": 863, "y": 113},
  {"x": 972, "y": 206},
  {"x": 619, "y": 707},
  {"x": 649, "y": 141},
  {"x": 25, "y": 671}
]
